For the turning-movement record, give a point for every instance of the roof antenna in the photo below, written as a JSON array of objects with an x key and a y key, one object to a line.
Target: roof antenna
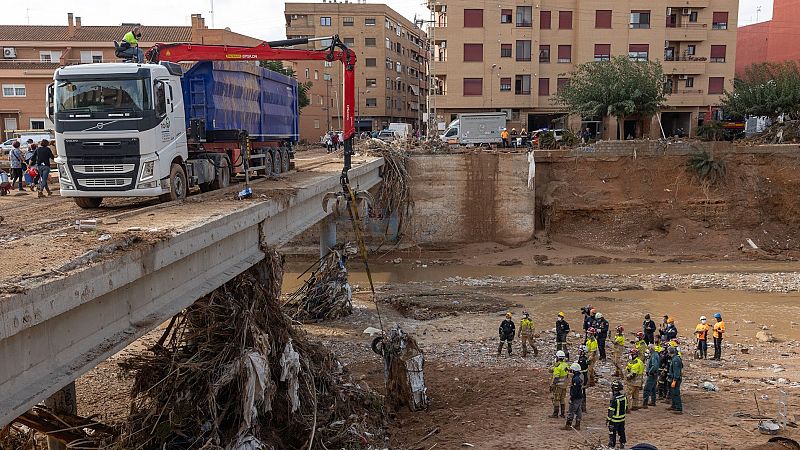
[{"x": 212, "y": 13}]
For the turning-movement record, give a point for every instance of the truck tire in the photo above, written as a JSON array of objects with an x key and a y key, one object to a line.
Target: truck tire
[
  {"x": 177, "y": 184},
  {"x": 277, "y": 163},
  {"x": 285, "y": 160},
  {"x": 267, "y": 161},
  {"x": 88, "y": 202},
  {"x": 223, "y": 175}
]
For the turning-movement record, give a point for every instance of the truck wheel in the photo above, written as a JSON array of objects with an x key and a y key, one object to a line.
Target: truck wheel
[
  {"x": 223, "y": 175},
  {"x": 177, "y": 184},
  {"x": 277, "y": 162},
  {"x": 88, "y": 202},
  {"x": 285, "y": 160},
  {"x": 267, "y": 161}
]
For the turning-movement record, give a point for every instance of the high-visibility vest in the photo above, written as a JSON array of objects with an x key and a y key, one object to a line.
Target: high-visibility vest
[
  {"x": 616, "y": 412},
  {"x": 619, "y": 340},
  {"x": 702, "y": 331},
  {"x": 591, "y": 345},
  {"x": 130, "y": 38},
  {"x": 719, "y": 329},
  {"x": 560, "y": 372},
  {"x": 526, "y": 326}
]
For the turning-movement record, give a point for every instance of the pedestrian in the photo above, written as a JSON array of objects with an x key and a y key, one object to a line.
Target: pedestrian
[
  {"x": 601, "y": 324},
  {"x": 523, "y": 136},
  {"x": 5, "y": 183},
  {"x": 662, "y": 328},
  {"x": 701, "y": 333},
  {"x": 328, "y": 140},
  {"x": 634, "y": 373},
  {"x": 619, "y": 349},
  {"x": 592, "y": 353},
  {"x": 719, "y": 330},
  {"x": 16, "y": 161},
  {"x": 129, "y": 47},
  {"x": 651, "y": 371},
  {"x": 506, "y": 331},
  {"x": 586, "y": 136},
  {"x": 30, "y": 160},
  {"x": 526, "y": 333},
  {"x": 671, "y": 332},
  {"x": 583, "y": 361},
  {"x": 335, "y": 140},
  {"x": 504, "y": 137},
  {"x": 616, "y": 416},
  {"x": 675, "y": 378},
  {"x": 513, "y": 137},
  {"x": 575, "y": 398},
  {"x": 588, "y": 317},
  {"x": 43, "y": 158},
  {"x": 663, "y": 374},
  {"x": 562, "y": 332},
  {"x": 649, "y": 329},
  {"x": 558, "y": 387}
]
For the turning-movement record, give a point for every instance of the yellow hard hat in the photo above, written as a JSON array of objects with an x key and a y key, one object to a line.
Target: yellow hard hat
[
  {"x": 561, "y": 314},
  {"x": 508, "y": 314},
  {"x": 670, "y": 320}
]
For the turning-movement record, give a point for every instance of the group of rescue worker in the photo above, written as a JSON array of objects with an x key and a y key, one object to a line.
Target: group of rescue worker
[{"x": 653, "y": 370}]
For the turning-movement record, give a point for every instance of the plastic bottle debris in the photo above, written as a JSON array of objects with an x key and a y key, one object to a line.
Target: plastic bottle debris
[
  {"x": 86, "y": 225},
  {"x": 244, "y": 193},
  {"x": 105, "y": 237}
]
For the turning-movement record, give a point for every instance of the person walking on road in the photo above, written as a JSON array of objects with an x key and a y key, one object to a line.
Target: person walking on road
[
  {"x": 576, "y": 396},
  {"x": 601, "y": 324},
  {"x": 562, "y": 332},
  {"x": 651, "y": 371},
  {"x": 616, "y": 416},
  {"x": 558, "y": 387},
  {"x": 44, "y": 157},
  {"x": 701, "y": 333},
  {"x": 649, "y": 329},
  {"x": 675, "y": 377},
  {"x": 526, "y": 333},
  {"x": 719, "y": 330},
  {"x": 506, "y": 331},
  {"x": 634, "y": 373},
  {"x": 619, "y": 350},
  {"x": 16, "y": 160}
]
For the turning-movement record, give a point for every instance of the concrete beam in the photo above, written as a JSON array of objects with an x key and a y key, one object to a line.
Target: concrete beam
[{"x": 57, "y": 331}]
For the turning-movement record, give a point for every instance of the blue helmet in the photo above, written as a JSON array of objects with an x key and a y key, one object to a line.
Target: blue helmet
[{"x": 717, "y": 316}]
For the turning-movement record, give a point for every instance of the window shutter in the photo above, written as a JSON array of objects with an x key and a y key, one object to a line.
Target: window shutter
[
  {"x": 544, "y": 87},
  {"x": 564, "y": 52},
  {"x": 473, "y": 52},
  {"x": 473, "y": 18},
  {"x": 718, "y": 51},
  {"x": 716, "y": 85},
  {"x": 565, "y": 20},
  {"x": 720, "y": 17},
  {"x": 602, "y": 49},
  {"x": 639, "y": 48},
  {"x": 544, "y": 18},
  {"x": 602, "y": 18},
  {"x": 473, "y": 86}
]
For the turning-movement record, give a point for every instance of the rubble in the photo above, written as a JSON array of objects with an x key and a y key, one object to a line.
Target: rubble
[
  {"x": 765, "y": 336},
  {"x": 326, "y": 294}
]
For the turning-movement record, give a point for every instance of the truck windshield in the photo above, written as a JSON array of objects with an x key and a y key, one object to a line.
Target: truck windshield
[{"x": 103, "y": 95}]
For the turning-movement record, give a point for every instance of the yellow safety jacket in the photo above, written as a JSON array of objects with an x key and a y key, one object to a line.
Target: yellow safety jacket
[
  {"x": 591, "y": 345},
  {"x": 130, "y": 38},
  {"x": 641, "y": 346},
  {"x": 560, "y": 373},
  {"x": 635, "y": 370},
  {"x": 619, "y": 340},
  {"x": 719, "y": 329},
  {"x": 526, "y": 327}
]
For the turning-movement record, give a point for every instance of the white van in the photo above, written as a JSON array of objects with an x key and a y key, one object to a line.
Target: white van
[{"x": 6, "y": 146}]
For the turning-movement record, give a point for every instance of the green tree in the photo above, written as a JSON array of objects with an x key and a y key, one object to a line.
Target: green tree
[
  {"x": 302, "y": 88},
  {"x": 619, "y": 88},
  {"x": 766, "y": 89}
]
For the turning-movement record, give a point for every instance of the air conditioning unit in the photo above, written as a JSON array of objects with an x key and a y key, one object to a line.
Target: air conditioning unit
[
  {"x": 686, "y": 11},
  {"x": 295, "y": 17},
  {"x": 669, "y": 11},
  {"x": 9, "y": 53},
  {"x": 683, "y": 77}
]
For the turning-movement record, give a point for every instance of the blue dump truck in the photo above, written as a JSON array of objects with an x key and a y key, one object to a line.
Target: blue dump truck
[{"x": 153, "y": 130}]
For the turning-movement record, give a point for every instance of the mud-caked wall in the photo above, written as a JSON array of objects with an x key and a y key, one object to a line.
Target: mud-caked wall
[{"x": 475, "y": 197}]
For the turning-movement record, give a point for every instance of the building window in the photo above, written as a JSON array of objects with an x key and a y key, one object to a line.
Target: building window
[
  {"x": 316, "y": 74},
  {"x": 325, "y": 21},
  {"x": 37, "y": 124},
  {"x": 473, "y": 52},
  {"x": 372, "y": 82},
  {"x": 602, "y": 18},
  {"x": 524, "y": 16},
  {"x": 350, "y": 42},
  {"x": 638, "y": 52},
  {"x": 564, "y": 53},
  {"x": 505, "y": 50},
  {"x": 565, "y": 20},
  {"x": 522, "y": 85},
  {"x": 473, "y": 86},
  {"x": 327, "y": 77},
  {"x": 602, "y": 52},
  {"x": 544, "y": 20},
  {"x": 372, "y": 103},
  {"x": 718, "y": 53},
  {"x": 308, "y": 74},
  {"x": 505, "y": 15},
  {"x": 88, "y": 57},
  {"x": 544, "y": 53},
  {"x": 13, "y": 90},
  {"x": 388, "y": 43},
  {"x": 370, "y": 62},
  {"x": 369, "y": 21},
  {"x": 505, "y": 84},
  {"x": 693, "y": 17},
  {"x": 370, "y": 42},
  {"x": 544, "y": 87},
  {"x": 640, "y": 19},
  {"x": 561, "y": 83},
  {"x": 316, "y": 124},
  {"x": 689, "y": 82},
  {"x": 719, "y": 21},
  {"x": 473, "y": 18},
  {"x": 49, "y": 56},
  {"x": 691, "y": 50},
  {"x": 523, "y": 50},
  {"x": 716, "y": 85},
  {"x": 398, "y": 67},
  {"x": 347, "y": 21}
]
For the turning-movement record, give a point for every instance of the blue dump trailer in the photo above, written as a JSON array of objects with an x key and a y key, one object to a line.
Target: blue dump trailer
[{"x": 144, "y": 130}]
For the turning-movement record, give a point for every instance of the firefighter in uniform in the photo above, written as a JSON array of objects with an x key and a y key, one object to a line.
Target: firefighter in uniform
[
  {"x": 506, "y": 331},
  {"x": 619, "y": 349},
  {"x": 558, "y": 387},
  {"x": 562, "y": 332},
  {"x": 526, "y": 333},
  {"x": 592, "y": 353},
  {"x": 616, "y": 416},
  {"x": 583, "y": 361},
  {"x": 634, "y": 373}
]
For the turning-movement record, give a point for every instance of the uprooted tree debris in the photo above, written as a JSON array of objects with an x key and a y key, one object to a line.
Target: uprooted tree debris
[
  {"x": 326, "y": 294},
  {"x": 403, "y": 370},
  {"x": 394, "y": 197},
  {"x": 233, "y": 373}
]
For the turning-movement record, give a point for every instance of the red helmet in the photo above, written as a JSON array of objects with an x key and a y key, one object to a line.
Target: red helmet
[
  {"x": 639, "y": 334},
  {"x": 634, "y": 352},
  {"x": 620, "y": 329},
  {"x": 592, "y": 330}
]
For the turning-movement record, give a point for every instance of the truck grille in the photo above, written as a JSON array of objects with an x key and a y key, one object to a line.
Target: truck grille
[
  {"x": 104, "y": 168},
  {"x": 105, "y": 182}
]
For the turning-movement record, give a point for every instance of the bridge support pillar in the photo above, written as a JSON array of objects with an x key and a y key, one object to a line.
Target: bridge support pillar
[
  {"x": 327, "y": 236},
  {"x": 63, "y": 401}
]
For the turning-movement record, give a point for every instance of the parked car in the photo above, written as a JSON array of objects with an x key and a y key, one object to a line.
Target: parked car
[
  {"x": 534, "y": 139},
  {"x": 386, "y": 135},
  {"x": 6, "y": 146}
]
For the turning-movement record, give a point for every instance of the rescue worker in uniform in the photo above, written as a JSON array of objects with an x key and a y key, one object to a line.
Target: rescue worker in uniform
[
  {"x": 634, "y": 373},
  {"x": 601, "y": 325},
  {"x": 506, "y": 331},
  {"x": 616, "y": 416},
  {"x": 649, "y": 329},
  {"x": 576, "y": 396},
  {"x": 562, "y": 332},
  {"x": 651, "y": 371},
  {"x": 662, "y": 329},
  {"x": 619, "y": 349},
  {"x": 663, "y": 376},
  {"x": 504, "y": 137},
  {"x": 592, "y": 354},
  {"x": 701, "y": 333},
  {"x": 675, "y": 377},
  {"x": 526, "y": 333},
  {"x": 558, "y": 387},
  {"x": 583, "y": 361},
  {"x": 129, "y": 48},
  {"x": 719, "y": 330},
  {"x": 639, "y": 342},
  {"x": 588, "y": 317},
  {"x": 671, "y": 332}
]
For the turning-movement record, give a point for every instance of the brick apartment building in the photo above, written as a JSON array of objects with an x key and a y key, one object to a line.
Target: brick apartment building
[
  {"x": 770, "y": 41},
  {"x": 513, "y": 55},
  {"x": 391, "y": 85},
  {"x": 31, "y": 53}
]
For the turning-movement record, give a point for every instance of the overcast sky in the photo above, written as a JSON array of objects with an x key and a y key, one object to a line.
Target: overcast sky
[{"x": 258, "y": 18}]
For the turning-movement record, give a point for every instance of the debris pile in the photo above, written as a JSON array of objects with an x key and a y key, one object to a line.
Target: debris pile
[
  {"x": 394, "y": 197},
  {"x": 787, "y": 132},
  {"x": 232, "y": 373},
  {"x": 326, "y": 294},
  {"x": 403, "y": 369}
]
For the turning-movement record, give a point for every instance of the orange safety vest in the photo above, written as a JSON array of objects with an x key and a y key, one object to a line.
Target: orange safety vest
[
  {"x": 719, "y": 329},
  {"x": 504, "y": 135},
  {"x": 702, "y": 331}
]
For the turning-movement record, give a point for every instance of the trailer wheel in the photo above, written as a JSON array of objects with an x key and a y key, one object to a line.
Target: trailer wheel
[
  {"x": 277, "y": 162},
  {"x": 88, "y": 202},
  {"x": 223, "y": 175},
  {"x": 177, "y": 184},
  {"x": 285, "y": 160},
  {"x": 267, "y": 170}
]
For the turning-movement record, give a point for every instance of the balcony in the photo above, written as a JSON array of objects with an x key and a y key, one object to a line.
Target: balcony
[
  {"x": 690, "y": 32},
  {"x": 684, "y": 66},
  {"x": 687, "y": 97}
]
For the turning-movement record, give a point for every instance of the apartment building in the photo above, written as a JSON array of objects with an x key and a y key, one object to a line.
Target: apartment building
[
  {"x": 31, "y": 53},
  {"x": 391, "y": 82},
  {"x": 513, "y": 55},
  {"x": 770, "y": 41}
]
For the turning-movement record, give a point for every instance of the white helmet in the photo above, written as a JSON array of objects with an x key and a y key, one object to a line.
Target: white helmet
[
  {"x": 598, "y": 316},
  {"x": 561, "y": 354},
  {"x": 703, "y": 318},
  {"x": 575, "y": 367}
]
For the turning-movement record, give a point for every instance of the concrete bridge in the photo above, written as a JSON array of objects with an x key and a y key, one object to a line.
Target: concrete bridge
[{"x": 59, "y": 329}]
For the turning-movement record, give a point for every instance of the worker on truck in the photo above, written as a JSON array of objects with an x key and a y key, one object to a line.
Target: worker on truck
[{"x": 129, "y": 47}]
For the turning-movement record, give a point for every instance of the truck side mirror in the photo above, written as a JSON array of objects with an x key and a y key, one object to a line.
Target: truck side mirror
[{"x": 51, "y": 110}]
